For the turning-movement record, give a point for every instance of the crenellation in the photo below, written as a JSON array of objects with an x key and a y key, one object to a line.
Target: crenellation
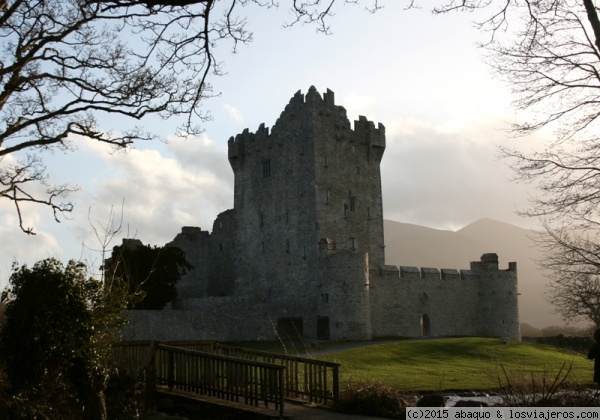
[
  {"x": 302, "y": 251},
  {"x": 329, "y": 98},
  {"x": 450, "y": 274},
  {"x": 192, "y": 232},
  {"x": 410, "y": 273}
]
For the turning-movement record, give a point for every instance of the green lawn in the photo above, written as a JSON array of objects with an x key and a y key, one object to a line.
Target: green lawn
[{"x": 457, "y": 363}]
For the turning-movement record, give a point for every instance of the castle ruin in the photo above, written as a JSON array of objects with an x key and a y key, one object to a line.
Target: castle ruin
[{"x": 301, "y": 254}]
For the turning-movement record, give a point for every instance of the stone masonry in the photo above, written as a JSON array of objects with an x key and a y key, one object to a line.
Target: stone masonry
[{"x": 301, "y": 254}]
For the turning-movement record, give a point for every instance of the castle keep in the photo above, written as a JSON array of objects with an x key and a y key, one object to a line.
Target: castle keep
[{"x": 302, "y": 251}]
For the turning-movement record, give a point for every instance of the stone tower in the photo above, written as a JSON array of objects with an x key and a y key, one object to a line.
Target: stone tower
[
  {"x": 302, "y": 252},
  {"x": 312, "y": 177}
]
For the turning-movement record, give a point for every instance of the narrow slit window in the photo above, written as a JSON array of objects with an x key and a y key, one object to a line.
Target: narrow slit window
[{"x": 266, "y": 169}]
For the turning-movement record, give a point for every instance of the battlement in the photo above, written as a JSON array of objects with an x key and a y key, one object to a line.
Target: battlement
[
  {"x": 192, "y": 233},
  {"x": 489, "y": 262},
  {"x": 310, "y": 105},
  {"x": 312, "y": 98},
  {"x": 375, "y": 136}
]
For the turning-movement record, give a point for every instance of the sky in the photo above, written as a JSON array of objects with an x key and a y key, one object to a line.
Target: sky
[{"x": 420, "y": 75}]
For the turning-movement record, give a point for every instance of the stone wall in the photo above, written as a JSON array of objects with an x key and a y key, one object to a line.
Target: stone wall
[
  {"x": 412, "y": 302},
  {"x": 303, "y": 249}
]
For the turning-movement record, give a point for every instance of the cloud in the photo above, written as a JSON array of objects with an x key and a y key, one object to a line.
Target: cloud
[
  {"x": 234, "y": 113},
  {"x": 445, "y": 179},
  {"x": 186, "y": 183},
  {"x": 23, "y": 248}
]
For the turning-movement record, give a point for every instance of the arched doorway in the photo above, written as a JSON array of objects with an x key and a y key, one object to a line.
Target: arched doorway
[{"x": 425, "y": 326}]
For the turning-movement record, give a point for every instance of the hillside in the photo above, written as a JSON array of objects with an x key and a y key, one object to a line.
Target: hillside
[{"x": 413, "y": 245}]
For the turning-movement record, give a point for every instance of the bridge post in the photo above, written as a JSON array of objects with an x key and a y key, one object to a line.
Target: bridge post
[
  {"x": 170, "y": 369},
  {"x": 336, "y": 385}
]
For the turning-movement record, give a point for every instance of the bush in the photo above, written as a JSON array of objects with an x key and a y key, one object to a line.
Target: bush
[
  {"x": 372, "y": 399},
  {"x": 125, "y": 396},
  {"x": 54, "y": 342},
  {"x": 528, "y": 390}
]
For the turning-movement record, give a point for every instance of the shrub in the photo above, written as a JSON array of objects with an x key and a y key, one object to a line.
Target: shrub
[{"x": 372, "y": 399}]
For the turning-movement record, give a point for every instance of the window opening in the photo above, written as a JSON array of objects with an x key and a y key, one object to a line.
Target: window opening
[
  {"x": 425, "y": 326},
  {"x": 322, "y": 327},
  {"x": 266, "y": 169}
]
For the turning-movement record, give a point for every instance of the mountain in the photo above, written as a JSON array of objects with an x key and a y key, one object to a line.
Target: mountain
[{"x": 419, "y": 246}]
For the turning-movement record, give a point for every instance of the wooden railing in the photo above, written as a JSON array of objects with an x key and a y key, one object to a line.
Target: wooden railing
[
  {"x": 214, "y": 375},
  {"x": 132, "y": 356},
  {"x": 232, "y": 373},
  {"x": 135, "y": 356},
  {"x": 311, "y": 379}
]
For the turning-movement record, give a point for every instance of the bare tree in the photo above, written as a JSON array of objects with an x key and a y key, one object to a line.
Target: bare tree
[
  {"x": 64, "y": 63},
  {"x": 548, "y": 52},
  {"x": 572, "y": 260}
]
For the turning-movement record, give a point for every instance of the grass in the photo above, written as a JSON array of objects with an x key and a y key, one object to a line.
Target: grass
[{"x": 456, "y": 363}]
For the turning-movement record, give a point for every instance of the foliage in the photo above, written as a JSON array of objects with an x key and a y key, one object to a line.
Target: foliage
[
  {"x": 54, "y": 342},
  {"x": 124, "y": 396},
  {"x": 526, "y": 390},
  {"x": 372, "y": 399},
  {"x": 151, "y": 273}
]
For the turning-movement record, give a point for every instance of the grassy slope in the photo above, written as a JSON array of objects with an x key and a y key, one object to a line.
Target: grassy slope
[{"x": 456, "y": 363}]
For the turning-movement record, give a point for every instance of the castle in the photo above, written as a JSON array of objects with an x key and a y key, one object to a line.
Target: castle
[{"x": 301, "y": 254}]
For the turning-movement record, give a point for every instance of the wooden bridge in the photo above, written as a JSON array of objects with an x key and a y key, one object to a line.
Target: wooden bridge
[{"x": 235, "y": 374}]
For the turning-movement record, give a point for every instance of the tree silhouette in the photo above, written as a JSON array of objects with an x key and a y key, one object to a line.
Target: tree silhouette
[
  {"x": 58, "y": 328},
  {"x": 151, "y": 273}
]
